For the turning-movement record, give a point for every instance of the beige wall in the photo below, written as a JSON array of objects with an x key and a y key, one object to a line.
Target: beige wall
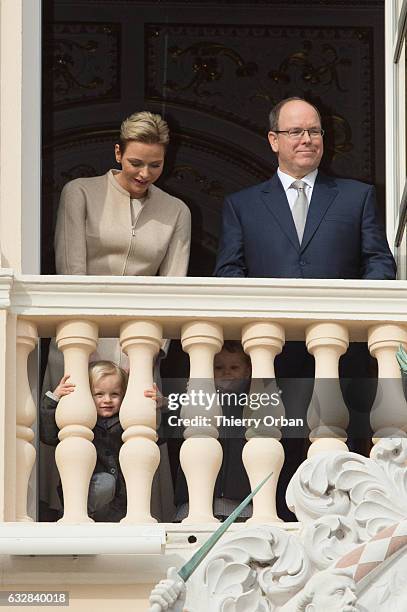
[
  {"x": 20, "y": 134},
  {"x": 10, "y": 133}
]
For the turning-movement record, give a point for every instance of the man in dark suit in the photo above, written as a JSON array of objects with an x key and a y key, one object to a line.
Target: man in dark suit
[{"x": 302, "y": 223}]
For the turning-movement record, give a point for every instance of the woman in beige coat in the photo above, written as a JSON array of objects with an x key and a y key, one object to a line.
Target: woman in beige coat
[{"x": 122, "y": 224}]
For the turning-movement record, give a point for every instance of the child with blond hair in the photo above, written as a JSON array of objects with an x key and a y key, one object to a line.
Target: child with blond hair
[{"x": 108, "y": 382}]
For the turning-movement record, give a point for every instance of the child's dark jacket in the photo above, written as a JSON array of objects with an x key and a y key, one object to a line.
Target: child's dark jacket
[{"x": 108, "y": 441}]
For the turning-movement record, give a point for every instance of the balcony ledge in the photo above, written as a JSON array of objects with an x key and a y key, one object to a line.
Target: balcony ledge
[
  {"x": 172, "y": 300},
  {"x": 24, "y": 558}
]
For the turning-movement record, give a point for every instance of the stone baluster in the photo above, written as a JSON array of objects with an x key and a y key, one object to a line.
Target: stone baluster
[
  {"x": 139, "y": 455},
  {"x": 201, "y": 452},
  {"x": 388, "y": 416},
  {"x": 328, "y": 415},
  {"x": 75, "y": 416},
  {"x": 263, "y": 452},
  {"x": 26, "y": 412}
]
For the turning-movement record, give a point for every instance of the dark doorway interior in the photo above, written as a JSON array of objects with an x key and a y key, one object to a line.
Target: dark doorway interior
[{"x": 213, "y": 69}]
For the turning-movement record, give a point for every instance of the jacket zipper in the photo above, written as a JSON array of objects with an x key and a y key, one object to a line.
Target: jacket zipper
[{"x": 133, "y": 222}]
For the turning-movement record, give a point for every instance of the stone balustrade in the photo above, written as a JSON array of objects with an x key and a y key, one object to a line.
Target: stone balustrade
[
  {"x": 327, "y": 412},
  {"x": 263, "y": 314},
  {"x": 388, "y": 415},
  {"x": 75, "y": 416},
  {"x": 263, "y": 454},
  {"x": 139, "y": 455},
  {"x": 25, "y": 417},
  {"x": 201, "y": 453}
]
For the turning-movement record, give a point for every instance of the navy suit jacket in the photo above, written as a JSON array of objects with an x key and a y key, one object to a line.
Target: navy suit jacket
[{"x": 343, "y": 237}]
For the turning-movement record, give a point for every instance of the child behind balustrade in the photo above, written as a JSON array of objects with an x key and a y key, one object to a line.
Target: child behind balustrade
[
  {"x": 232, "y": 374},
  {"x": 107, "y": 500}
]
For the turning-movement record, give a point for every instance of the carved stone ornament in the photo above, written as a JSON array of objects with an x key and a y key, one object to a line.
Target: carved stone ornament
[
  {"x": 349, "y": 555},
  {"x": 370, "y": 493}
]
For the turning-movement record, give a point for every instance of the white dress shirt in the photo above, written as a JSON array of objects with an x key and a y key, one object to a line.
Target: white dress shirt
[{"x": 291, "y": 192}]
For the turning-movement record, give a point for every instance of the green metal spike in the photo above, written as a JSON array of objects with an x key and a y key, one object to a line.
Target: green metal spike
[{"x": 187, "y": 570}]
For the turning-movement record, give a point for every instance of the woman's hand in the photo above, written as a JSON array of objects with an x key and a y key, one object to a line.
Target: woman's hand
[
  {"x": 155, "y": 394},
  {"x": 64, "y": 387}
]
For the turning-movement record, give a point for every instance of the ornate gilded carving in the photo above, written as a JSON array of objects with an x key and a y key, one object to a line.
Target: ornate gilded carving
[
  {"x": 342, "y": 135},
  {"x": 206, "y": 66},
  {"x": 237, "y": 72},
  {"x": 300, "y": 66},
  {"x": 85, "y": 63}
]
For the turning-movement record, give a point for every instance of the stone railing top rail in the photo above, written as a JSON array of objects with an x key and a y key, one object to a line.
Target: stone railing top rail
[{"x": 233, "y": 302}]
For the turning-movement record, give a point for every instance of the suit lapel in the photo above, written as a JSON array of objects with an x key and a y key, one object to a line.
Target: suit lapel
[
  {"x": 275, "y": 200},
  {"x": 323, "y": 194}
]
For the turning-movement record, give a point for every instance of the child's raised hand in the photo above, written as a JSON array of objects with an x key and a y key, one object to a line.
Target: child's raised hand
[
  {"x": 64, "y": 387},
  {"x": 155, "y": 394}
]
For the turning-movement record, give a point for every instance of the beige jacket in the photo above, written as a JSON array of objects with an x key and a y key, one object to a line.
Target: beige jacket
[{"x": 94, "y": 232}]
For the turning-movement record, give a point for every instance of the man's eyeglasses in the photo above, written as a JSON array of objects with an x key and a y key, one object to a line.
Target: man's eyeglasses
[{"x": 296, "y": 133}]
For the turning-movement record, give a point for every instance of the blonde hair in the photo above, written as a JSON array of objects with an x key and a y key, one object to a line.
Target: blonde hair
[
  {"x": 100, "y": 369},
  {"x": 145, "y": 127}
]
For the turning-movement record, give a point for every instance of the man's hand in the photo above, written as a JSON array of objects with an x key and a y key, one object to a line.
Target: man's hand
[
  {"x": 169, "y": 594},
  {"x": 64, "y": 387},
  {"x": 155, "y": 394}
]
